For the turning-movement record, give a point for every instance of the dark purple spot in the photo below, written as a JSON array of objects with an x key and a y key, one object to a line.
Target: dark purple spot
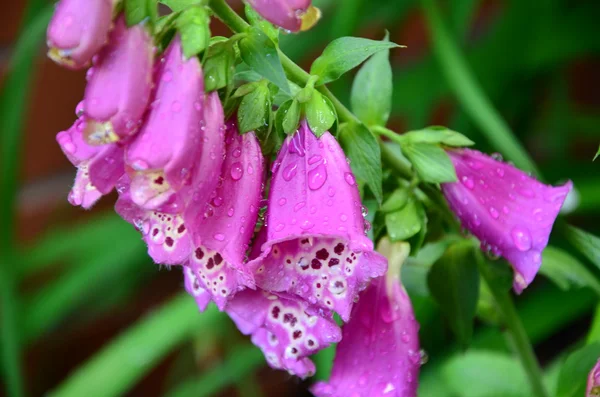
[
  {"x": 339, "y": 249},
  {"x": 210, "y": 264},
  {"x": 181, "y": 228},
  {"x": 318, "y": 285},
  {"x": 290, "y": 318},
  {"x": 311, "y": 342},
  {"x": 199, "y": 253},
  {"x": 304, "y": 241},
  {"x": 297, "y": 334},
  {"x": 294, "y": 350},
  {"x": 338, "y": 284},
  {"x": 223, "y": 291},
  {"x": 154, "y": 232},
  {"x": 221, "y": 278},
  {"x": 275, "y": 312},
  {"x": 315, "y": 264},
  {"x": 322, "y": 254},
  {"x": 288, "y": 261},
  {"x": 159, "y": 180},
  {"x": 169, "y": 241},
  {"x": 334, "y": 262},
  {"x": 218, "y": 259}
]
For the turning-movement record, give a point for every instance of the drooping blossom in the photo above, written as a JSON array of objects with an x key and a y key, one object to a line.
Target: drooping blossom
[
  {"x": 379, "y": 353},
  {"x": 223, "y": 231},
  {"x": 163, "y": 158},
  {"x": 284, "y": 13},
  {"x": 78, "y": 30},
  {"x": 168, "y": 234},
  {"x": 286, "y": 330},
  {"x": 316, "y": 248},
  {"x": 98, "y": 167},
  {"x": 510, "y": 212},
  {"x": 593, "y": 384},
  {"x": 119, "y": 84}
]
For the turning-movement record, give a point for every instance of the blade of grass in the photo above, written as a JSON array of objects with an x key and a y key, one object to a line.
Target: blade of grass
[
  {"x": 12, "y": 109},
  {"x": 469, "y": 92},
  {"x": 132, "y": 354},
  {"x": 236, "y": 366}
]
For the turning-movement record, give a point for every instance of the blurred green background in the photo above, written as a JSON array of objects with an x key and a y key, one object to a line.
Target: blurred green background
[{"x": 85, "y": 312}]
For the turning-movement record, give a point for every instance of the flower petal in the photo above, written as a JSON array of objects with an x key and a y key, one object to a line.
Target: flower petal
[
  {"x": 316, "y": 246},
  {"x": 119, "y": 84},
  {"x": 510, "y": 212},
  {"x": 287, "y": 331},
  {"x": 593, "y": 385},
  {"x": 168, "y": 237},
  {"x": 284, "y": 13},
  {"x": 223, "y": 232},
  {"x": 78, "y": 30},
  {"x": 98, "y": 167},
  {"x": 379, "y": 352},
  {"x": 193, "y": 287},
  {"x": 169, "y": 142}
]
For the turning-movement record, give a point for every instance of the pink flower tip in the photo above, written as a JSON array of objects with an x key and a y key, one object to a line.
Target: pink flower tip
[{"x": 510, "y": 212}]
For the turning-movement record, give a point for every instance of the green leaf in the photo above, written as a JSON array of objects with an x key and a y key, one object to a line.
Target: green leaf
[
  {"x": 485, "y": 374},
  {"x": 344, "y": 54},
  {"x": 260, "y": 53},
  {"x": 371, "y": 96},
  {"x": 193, "y": 24},
  {"x": 180, "y": 5},
  {"x": 586, "y": 243},
  {"x": 319, "y": 114},
  {"x": 597, "y": 154},
  {"x": 291, "y": 117},
  {"x": 219, "y": 66},
  {"x": 364, "y": 153},
  {"x": 431, "y": 162},
  {"x": 255, "y": 109},
  {"x": 404, "y": 223},
  {"x": 566, "y": 271},
  {"x": 574, "y": 372},
  {"x": 256, "y": 20},
  {"x": 454, "y": 284},
  {"x": 438, "y": 135},
  {"x": 130, "y": 356},
  {"x": 397, "y": 200},
  {"x": 138, "y": 10}
]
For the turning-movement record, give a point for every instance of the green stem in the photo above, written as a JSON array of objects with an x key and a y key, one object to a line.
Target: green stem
[
  {"x": 516, "y": 331},
  {"x": 470, "y": 94},
  {"x": 380, "y": 130}
]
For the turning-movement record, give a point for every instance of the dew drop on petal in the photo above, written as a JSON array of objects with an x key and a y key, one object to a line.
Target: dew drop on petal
[
  {"x": 494, "y": 213},
  {"x": 317, "y": 177},
  {"x": 468, "y": 182},
  {"x": 290, "y": 171},
  {"x": 522, "y": 238},
  {"x": 237, "y": 171},
  {"x": 350, "y": 179},
  {"x": 219, "y": 236}
]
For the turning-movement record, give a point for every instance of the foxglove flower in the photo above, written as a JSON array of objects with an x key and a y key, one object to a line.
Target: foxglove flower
[
  {"x": 510, "y": 212},
  {"x": 163, "y": 156},
  {"x": 286, "y": 330},
  {"x": 78, "y": 30},
  {"x": 316, "y": 246},
  {"x": 119, "y": 84},
  {"x": 223, "y": 232},
  {"x": 284, "y": 13},
  {"x": 168, "y": 235},
  {"x": 379, "y": 353},
  {"x": 593, "y": 385},
  {"x": 98, "y": 167}
]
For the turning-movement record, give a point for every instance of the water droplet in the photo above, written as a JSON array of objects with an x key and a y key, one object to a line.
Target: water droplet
[
  {"x": 500, "y": 172},
  {"x": 468, "y": 182},
  {"x": 219, "y": 236},
  {"x": 314, "y": 159},
  {"x": 476, "y": 165},
  {"x": 364, "y": 211},
  {"x": 250, "y": 169},
  {"x": 230, "y": 211},
  {"x": 299, "y": 206},
  {"x": 527, "y": 192},
  {"x": 424, "y": 356},
  {"x": 237, "y": 152},
  {"x": 494, "y": 213},
  {"x": 317, "y": 177},
  {"x": 497, "y": 156},
  {"x": 279, "y": 227},
  {"x": 343, "y": 217},
  {"x": 217, "y": 201},
  {"x": 522, "y": 238},
  {"x": 282, "y": 201},
  {"x": 350, "y": 179},
  {"x": 290, "y": 171},
  {"x": 237, "y": 171}
]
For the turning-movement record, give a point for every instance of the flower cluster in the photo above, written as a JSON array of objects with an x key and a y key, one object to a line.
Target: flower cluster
[
  {"x": 193, "y": 186},
  {"x": 279, "y": 244}
]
